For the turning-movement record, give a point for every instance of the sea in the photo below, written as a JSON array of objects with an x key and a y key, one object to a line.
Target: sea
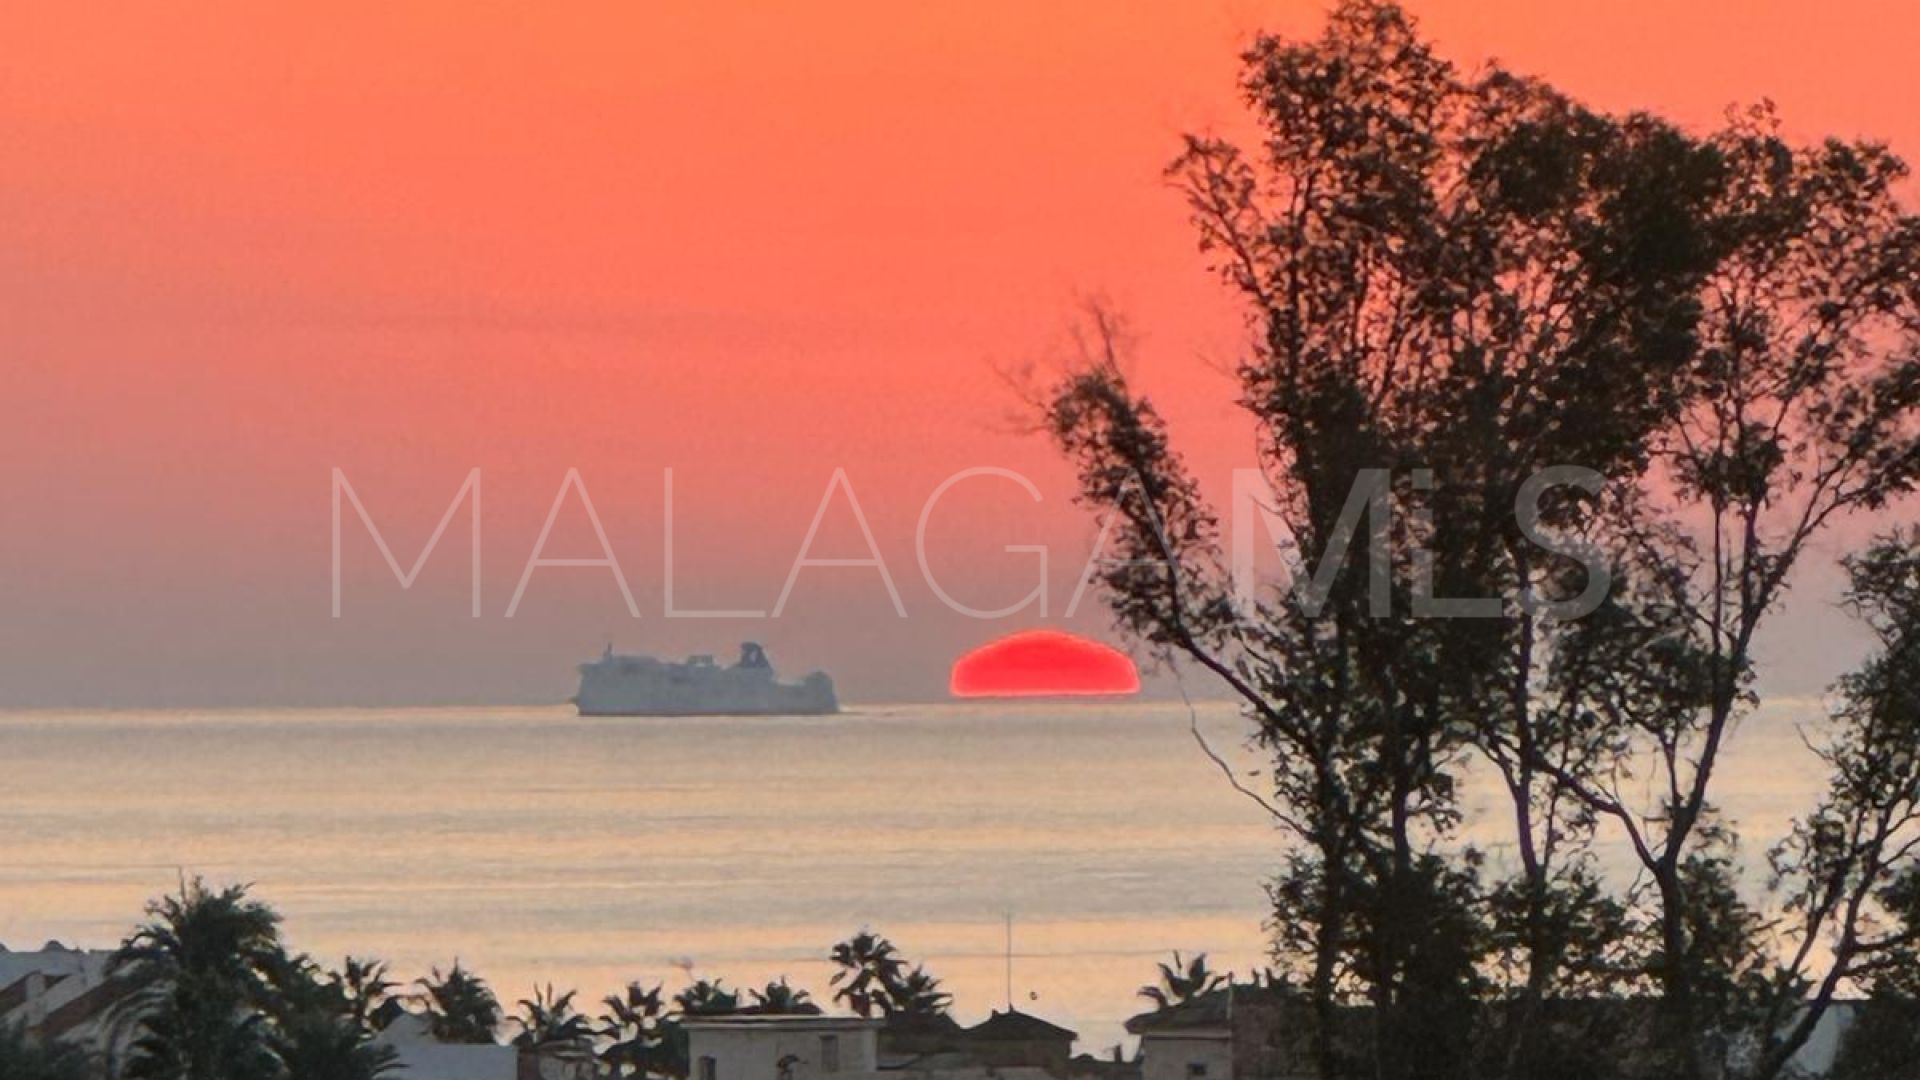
[{"x": 1039, "y": 855}]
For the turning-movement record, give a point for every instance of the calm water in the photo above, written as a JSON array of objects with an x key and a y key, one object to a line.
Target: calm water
[{"x": 536, "y": 845}]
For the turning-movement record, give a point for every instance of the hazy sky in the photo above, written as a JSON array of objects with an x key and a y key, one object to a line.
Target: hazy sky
[{"x": 241, "y": 248}]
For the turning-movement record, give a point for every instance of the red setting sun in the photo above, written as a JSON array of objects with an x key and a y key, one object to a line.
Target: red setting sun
[{"x": 1043, "y": 663}]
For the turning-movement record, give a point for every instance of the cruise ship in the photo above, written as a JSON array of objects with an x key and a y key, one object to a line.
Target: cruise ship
[{"x": 621, "y": 685}]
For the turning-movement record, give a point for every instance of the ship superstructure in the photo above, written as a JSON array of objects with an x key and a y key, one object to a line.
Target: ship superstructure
[{"x": 628, "y": 685}]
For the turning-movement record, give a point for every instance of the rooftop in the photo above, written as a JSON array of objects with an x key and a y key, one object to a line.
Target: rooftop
[
  {"x": 791, "y": 1021},
  {"x": 1211, "y": 1011},
  {"x": 1016, "y": 1026}
]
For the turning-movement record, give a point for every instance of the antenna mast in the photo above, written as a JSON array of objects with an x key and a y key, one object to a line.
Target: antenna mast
[{"x": 1009, "y": 959}]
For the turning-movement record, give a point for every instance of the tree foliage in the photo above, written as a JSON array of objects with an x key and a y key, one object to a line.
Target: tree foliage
[
  {"x": 214, "y": 995},
  {"x": 636, "y": 1033},
  {"x": 872, "y": 978},
  {"x": 549, "y": 1023},
  {"x": 1182, "y": 981},
  {"x": 23, "y": 1058},
  {"x": 778, "y": 998},
  {"x": 1457, "y": 284},
  {"x": 460, "y": 1006},
  {"x": 203, "y": 964}
]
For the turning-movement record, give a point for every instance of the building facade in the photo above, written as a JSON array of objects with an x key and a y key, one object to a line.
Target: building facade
[{"x": 781, "y": 1047}]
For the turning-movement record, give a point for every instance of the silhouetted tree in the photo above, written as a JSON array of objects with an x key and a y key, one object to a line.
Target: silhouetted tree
[
  {"x": 549, "y": 1022},
  {"x": 311, "y": 1026},
  {"x": 636, "y": 1029},
  {"x": 869, "y": 967},
  {"x": 1182, "y": 981},
  {"x": 1799, "y": 409},
  {"x": 1852, "y": 882},
  {"x": 1883, "y": 1043},
  {"x": 202, "y": 964},
  {"x": 1455, "y": 282},
  {"x": 1443, "y": 271},
  {"x": 916, "y": 994},
  {"x": 460, "y": 1007},
  {"x": 779, "y": 998},
  {"x": 315, "y": 1045},
  {"x": 364, "y": 986},
  {"x": 706, "y": 997}
]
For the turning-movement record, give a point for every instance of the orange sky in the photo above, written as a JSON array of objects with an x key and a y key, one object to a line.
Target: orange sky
[{"x": 243, "y": 247}]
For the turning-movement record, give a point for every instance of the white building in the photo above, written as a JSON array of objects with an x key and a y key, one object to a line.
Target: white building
[
  {"x": 1201, "y": 1053},
  {"x": 423, "y": 1057},
  {"x": 1260, "y": 1033},
  {"x": 62, "y": 993},
  {"x": 1233, "y": 1033},
  {"x": 781, "y": 1047}
]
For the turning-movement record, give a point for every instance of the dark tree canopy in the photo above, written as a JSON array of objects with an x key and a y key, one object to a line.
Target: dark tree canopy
[
  {"x": 460, "y": 1006},
  {"x": 1458, "y": 284}
]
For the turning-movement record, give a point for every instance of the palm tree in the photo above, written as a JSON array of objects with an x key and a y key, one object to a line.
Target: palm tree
[
  {"x": 549, "y": 1023},
  {"x": 221, "y": 936},
  {"x": 203, "y": 967},
  {"x": 318, "y": 1046},
  {"x": 869, "y": 969},
  {"x": 917, "y": 994},
  {"x": 1181, "y": 982},
  {"x": 364, "y": 987},
  {"x": 460, "y": 1006},
  {"x": 635, "y": 1027},
  {"x": 22, "y": 1058},
  {"x": 296, "y": 985},
  {"x": 706, "y": 998},
  {"x": 780, "y": 999},
  {"x": 202, "y": 1038},
  {"x": 319, "y": 1031}
]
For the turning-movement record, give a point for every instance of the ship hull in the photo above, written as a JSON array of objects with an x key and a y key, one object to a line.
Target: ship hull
[
  {"x": 658, "y": 708},
  {"x": 618, "y": 686},
  {"x": 728, "y": 712},
  {"x": 707, "y": 698}
]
